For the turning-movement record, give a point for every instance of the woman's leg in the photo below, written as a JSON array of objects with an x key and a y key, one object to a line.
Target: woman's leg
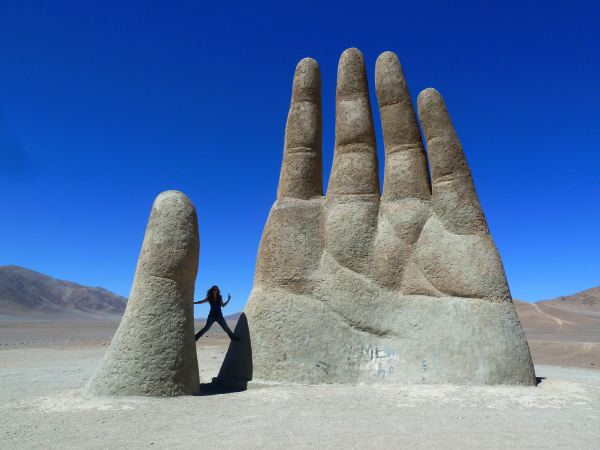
[
  {"x": 221, "y": 321},
  {"x": 209, "y": 323}
]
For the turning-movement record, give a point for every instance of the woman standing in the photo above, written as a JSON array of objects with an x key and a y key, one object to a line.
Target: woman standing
[{"x": 213, "y": 297}]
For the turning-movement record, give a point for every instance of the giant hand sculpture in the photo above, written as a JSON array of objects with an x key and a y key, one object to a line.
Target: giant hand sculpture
[{"x": 355, "y": 286}]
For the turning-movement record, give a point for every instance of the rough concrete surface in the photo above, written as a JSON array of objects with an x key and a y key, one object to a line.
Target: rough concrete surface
[
  {"x": 153, "y": 350},
  {"x": 355, "y": 286}
]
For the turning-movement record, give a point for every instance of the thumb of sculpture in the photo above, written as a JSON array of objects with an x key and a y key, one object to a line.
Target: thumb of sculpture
[{"x": 153, "y": 351}]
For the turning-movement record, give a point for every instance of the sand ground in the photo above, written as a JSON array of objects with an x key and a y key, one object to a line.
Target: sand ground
[{"x": 43, "y": 369}]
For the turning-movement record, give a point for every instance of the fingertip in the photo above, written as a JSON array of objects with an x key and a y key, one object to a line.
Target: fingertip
[
  {"x": 307, "y": 64},
  {"x": 427, "y": 97},
  {"x": 351, "y": 53},
  {"x": 170, "y": 195},
  {"x": 386, "y": 59},
  {"x": 171, "y": 243},
  {"x": 352, "y": 76},
  {"x": 390, "y": 84},
  {"x": 433, "y": 114},
  {"x": 173, "y": 200},
  {"x": 351, "y": 60},
  {"x": 173, "y": 210},
  {"x": 307, "y": 81}
]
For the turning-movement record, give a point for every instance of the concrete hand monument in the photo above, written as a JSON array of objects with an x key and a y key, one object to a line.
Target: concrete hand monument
[
  {"x": 355, "y": 286},
  {"x": 153, "y": 352}
]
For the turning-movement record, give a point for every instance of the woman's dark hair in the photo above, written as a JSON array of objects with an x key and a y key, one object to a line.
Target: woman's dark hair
[{"x": 211, "y": 295}]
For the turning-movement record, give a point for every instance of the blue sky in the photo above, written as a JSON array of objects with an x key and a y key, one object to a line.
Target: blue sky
[{"x": 105, "y": 104}]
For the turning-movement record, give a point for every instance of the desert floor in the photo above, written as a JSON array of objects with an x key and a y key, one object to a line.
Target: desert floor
[{"x": 43, "y": 367}]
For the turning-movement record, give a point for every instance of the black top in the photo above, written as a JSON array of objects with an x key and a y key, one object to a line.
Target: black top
[{"x": 215, "y": 306}]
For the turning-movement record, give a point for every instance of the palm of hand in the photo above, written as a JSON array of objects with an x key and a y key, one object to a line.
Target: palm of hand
[{"x": 355, "y": 286}]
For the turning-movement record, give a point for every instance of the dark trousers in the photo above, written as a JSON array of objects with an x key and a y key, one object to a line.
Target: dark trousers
[{"x": 209, "y": 323}]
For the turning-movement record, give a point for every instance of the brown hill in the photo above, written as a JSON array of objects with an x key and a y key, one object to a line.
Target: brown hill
[
  {"x": 574, "y": 317},
  {"x": 24, "y": 292},
  {"x": 565, "y": 330},
  {"x": 588, "y": 300}
]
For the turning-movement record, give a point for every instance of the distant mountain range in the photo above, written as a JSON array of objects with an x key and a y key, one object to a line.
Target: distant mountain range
[
  {"x": 24, "y": 292},
  {"x": 576, "y": 316},
  {"x": 588, "y": 299}
]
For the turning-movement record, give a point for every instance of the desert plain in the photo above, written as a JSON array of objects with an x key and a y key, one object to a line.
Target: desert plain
[{"x": 46, "y": 361}]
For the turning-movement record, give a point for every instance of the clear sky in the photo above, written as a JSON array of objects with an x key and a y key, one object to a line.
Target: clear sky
[{"x": 105, "y": 104}]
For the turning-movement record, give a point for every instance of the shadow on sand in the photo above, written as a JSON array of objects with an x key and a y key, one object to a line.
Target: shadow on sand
[{"x": 236, "y": 370}]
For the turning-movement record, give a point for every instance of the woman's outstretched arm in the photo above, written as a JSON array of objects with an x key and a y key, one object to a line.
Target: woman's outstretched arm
[
  {"x": 228, "y": 298},
  {"x": 201, "y": 301}
]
